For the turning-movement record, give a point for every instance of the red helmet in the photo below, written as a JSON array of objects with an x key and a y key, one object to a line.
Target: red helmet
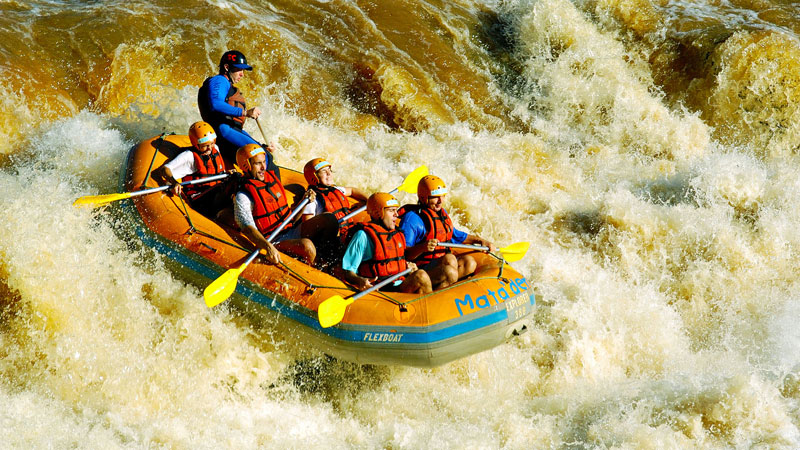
[
  {"x": 430, "y": 186},
  {"x": 378, "y": 201},
  {"x": 311, "y": 168},
  {"x": 244, "y": 154},
  {"x": 201, "y": 133}
]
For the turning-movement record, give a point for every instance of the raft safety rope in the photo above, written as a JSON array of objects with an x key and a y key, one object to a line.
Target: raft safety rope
[
  {"x": 192, "y": 229},
  {"x": 157, "y": 148}
]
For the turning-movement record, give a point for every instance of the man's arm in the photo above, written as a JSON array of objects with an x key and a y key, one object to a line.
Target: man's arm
[
  {"x": 243, "y": 214},
  {"x": 218, "y": 88},
  {"x": 270, "y": 252},
  {"x": 178, "y": 167}
]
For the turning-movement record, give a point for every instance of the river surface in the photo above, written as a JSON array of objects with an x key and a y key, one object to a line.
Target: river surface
[{"x": 648, "y": 151}]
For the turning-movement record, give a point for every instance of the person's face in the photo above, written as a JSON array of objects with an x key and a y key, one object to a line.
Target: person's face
[
  {"x": 258, "y": 165},
  {"x": 205, "y": 148},
  {"x": 435, "y": 203},
  {"x": 389, "y": 216},
  {"x": 235, "y": 74},
  {"x": 325, "y": 176}
]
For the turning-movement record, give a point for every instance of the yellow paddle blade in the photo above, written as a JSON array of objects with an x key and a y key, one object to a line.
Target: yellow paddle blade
[
  {"x": 220, "y": 289},
  {"x": 331, "y": 311},
  {"x": 412, "y": 180},
  {"x": 515, "y": 252},
  {"x": 99, "y": 200}
]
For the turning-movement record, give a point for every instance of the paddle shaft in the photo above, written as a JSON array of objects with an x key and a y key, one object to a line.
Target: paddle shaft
[
  {"x": 220, "y": 289},
  {"x": 185, "y": 183},
  {"x": 380, "y": 285},
  {"x": 362, "y": 208},
  {"x": 291, "y": 216},
  {"x": 262, "y": 131},
  {"x": 467, "y": 246},
  {"x": 276, "y": 232}
]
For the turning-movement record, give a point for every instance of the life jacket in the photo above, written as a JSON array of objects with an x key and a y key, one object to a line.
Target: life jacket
[
  {"x": 390, "y": 247},
  {"x": 438, "y": 225},
  {"x": 206, "y": 166},
  {"x": 269, "y": 202},
  {"x": 333, "y": 200},
  {"x": 215, "y": 118}
]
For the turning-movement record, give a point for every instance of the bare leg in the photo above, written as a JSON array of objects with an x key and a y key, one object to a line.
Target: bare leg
[
  {"x": 417, "y": 281},
  {"x": 466, "y": 266},
  {"x": 444, "y": 273}
]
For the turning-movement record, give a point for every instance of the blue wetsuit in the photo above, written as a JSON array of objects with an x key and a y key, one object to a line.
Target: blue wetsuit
[{"x": 214, "y": 109}]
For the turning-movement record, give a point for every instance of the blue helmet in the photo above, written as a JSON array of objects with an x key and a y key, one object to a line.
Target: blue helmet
[{"x": 234, "y": 58}]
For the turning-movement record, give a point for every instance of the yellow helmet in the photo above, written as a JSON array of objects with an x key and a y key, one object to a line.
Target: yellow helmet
[
  {"x": 311, "y": 168},
  {"x": 430, "y": 186},
  {"x": 201, "y": 133},
  {"x": 244, "y": 154},
  {"x": 378, "y": 201}
]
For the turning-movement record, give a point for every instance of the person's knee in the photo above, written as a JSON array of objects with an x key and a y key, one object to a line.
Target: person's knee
[
  {"x": 451, "y": 274},
  {"x": 308, "y": 248},
  {"x": 449, "y": 260},
  {"x": 468, "y": 264},
  {"x": 422, "y": 281}
]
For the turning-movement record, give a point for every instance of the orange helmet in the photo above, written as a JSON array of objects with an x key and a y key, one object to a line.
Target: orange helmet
[
  {"x": 201, "y": 133},
  {"x": 378, "y": 201},
  {"x": 430, "y": 186},
  {"x": 244, "y": 154},
  {"x": 311, "y": 168}
]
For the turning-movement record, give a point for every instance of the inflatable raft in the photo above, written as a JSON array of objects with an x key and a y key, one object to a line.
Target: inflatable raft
[{"x": 473, "y": 315}]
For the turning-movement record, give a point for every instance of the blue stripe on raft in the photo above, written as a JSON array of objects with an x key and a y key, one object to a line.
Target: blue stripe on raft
[{"x": 311, "y": 322}]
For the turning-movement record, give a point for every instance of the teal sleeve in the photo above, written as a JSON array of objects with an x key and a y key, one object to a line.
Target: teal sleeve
[{"x": 358, "y": 250}]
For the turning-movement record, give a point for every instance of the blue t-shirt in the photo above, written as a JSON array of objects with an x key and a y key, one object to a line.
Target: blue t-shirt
[
  {"x": 360, "y": 249},
  {"x": 413, "y": 228}
]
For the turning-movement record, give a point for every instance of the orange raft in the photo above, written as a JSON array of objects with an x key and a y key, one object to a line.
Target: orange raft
[{"x": 475, "y": 314}]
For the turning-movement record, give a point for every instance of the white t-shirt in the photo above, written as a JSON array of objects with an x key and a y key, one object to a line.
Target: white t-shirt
[
  {"x": 183, "y": 164},
  {"x": 318, "y": 207},
  {"x": 243, "y": 210},
  {"x": 243, "y": 215}
]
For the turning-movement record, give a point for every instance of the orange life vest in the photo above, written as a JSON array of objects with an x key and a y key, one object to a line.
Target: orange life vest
[
  {"x": 333, "y": 200},
  {"x": 390, "y": 247},
  {"x": 438, "y": 225},
  {"x": 269, "y": 202},
  {"x": 235, "y": 98},
  {"x": 205, "y": 167}
]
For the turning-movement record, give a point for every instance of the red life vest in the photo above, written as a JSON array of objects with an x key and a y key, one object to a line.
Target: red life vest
[
  {"x": 438, "y": 225},
  {"x": 269, "y": 202},
  {"x": 390, "y": 247},
  {"x": 205, "y": 167},
  {"x": 333, "y": 201}
]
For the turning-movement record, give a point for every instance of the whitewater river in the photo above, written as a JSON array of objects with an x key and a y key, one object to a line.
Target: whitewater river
[{"x": 648, "y": 151}]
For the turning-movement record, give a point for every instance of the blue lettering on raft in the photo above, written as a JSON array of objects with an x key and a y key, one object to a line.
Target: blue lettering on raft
[
  {"x": 383, "y": 337},
  {"x": 499, "y": 296}
]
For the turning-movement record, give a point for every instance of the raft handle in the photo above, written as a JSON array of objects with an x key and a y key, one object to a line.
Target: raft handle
[{"x": 517, "y": 331}]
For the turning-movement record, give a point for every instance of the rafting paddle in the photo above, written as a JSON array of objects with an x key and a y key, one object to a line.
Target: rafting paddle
[
  {"x": 262, "y": 131},
  {"x": 220, "y": 289},
  {"x": 511, "y": 253},
  {"x": 100, "y": 200},
  {"x": 331, "y": 311},
  {"x": 409, "y": 185}
]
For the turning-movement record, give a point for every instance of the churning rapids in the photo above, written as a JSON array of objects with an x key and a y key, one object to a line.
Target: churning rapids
[{"x": 647, "y": 150}]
